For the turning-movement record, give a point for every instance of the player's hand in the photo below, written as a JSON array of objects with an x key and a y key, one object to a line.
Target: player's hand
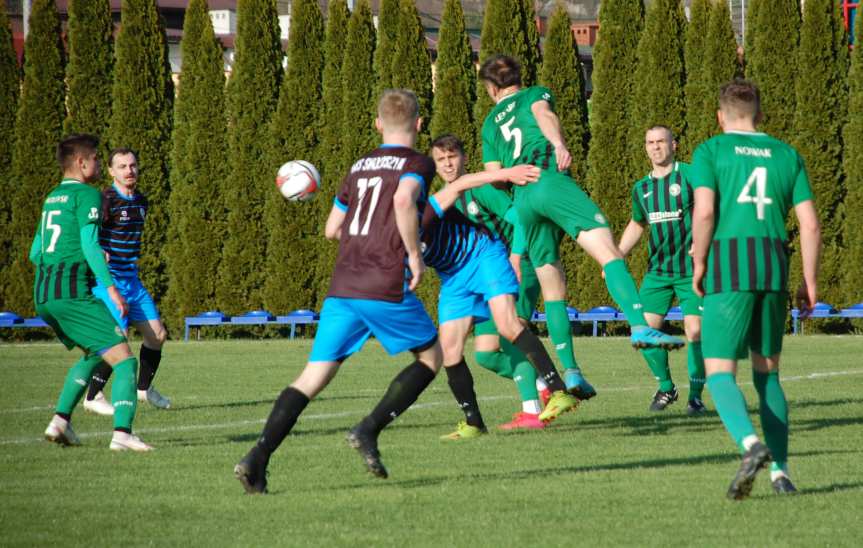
[
  {"x": 118, "y": 301},
  {"x": 107, "y": 257},
  {"x": 564, "y": 158},
  {"x": 515, "y": 261},
  {"x": 415, "y": 263},
  {"x": 806, "y": 299},
  {"x": 691, "y": 251},
  {"x": 698, "y": 271},
  {"x": 523, "y": 174}
]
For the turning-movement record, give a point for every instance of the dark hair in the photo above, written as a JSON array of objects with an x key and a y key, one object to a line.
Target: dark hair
[
  {"x": 118, "y": 151},
  {"x": 73, "y": 145},
  {"x": 449, "y": 143},
  {"x": 740, "y": 96},
  {"x": 501, "y": 70},
  {"x": 666, "y": 128}
]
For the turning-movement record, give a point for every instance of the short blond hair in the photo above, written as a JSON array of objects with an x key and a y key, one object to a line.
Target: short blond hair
[{"x": 398, "y": 109}]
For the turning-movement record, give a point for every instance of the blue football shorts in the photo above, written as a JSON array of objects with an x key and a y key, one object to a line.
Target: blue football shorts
[
  {"x": 467, "y": 291},
  {"x": 346, "y": 324},
  {"x": 141, "y": 305}
]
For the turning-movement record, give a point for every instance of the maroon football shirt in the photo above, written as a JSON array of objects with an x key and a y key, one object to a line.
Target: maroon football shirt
[{"x": 371, "y": 259}]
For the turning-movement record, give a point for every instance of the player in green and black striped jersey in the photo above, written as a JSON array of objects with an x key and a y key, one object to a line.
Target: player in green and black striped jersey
[
  {"x": 745, "y": 184},
  {"x": 68, "y": 260},
  {"x": 662, "y": 203}
]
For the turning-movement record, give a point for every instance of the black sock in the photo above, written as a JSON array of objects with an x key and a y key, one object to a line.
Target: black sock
[
  {"x": 401, "y": 394},
  {"x": 461, "y": 383},
  {"x": 149, "y": 364},
  {"x": 286, "y": 411},
  {"x": 99, "y": 379},
  {"x": 532, "y": 347}
]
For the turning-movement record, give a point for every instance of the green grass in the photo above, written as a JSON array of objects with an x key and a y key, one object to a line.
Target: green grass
[{"x": 610, "y": 474}]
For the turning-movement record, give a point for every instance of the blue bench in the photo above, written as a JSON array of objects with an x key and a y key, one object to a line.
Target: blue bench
[
  {"x": 824, "y": 310},
  {"x": 255, "y": 317},
  {"x": 10, "y": 319}
]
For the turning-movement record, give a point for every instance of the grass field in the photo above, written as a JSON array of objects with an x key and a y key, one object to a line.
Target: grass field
[{"x": 611, "y": 474}]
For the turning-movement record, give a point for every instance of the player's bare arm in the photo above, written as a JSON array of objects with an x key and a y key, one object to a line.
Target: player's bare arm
[
  {"x": 703, "y": 220},
  {"x": 630, "y": 237},
  {"x": 549, "y": 125},
  {"x": 333, "y": 227},
  {"x": 407, "y": 221},
  {"x": 519, "y": 175},
  {"x": 810, "y": 252}
]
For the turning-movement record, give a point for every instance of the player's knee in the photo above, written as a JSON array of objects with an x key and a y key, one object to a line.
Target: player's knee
[{"x": 693, "y": 330}]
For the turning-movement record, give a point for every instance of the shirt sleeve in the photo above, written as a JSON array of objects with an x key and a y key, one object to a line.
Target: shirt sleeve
[
  {"x": 540, "y": 93},
  {"x": 701, "y": 170},
  {"x": 36, "y": 248},
  {"x": 802, "y": 189},
  {"x": 637, "y": 211},
  {"x": 343, "y": 197},
  {"x": 89, "y": 208},
  {"x": 489, "y": 154},
  {"x": 94, "y": 254},
  {"x": 493, "y": 200}
]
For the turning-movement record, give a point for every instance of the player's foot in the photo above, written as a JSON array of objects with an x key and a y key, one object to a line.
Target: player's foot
[
  {"x": 577, "y": 385},
  {"x": 647, "y": 337},
  {"x": 661, "y": 399},
  {"x": 59, "y": 431},
  {"x": 123, "y": 441},
  {"x": 523, "y": 421},
  {"x": 783, "y": 486},
  {"x": 560, "y": 403},
  {"x": 99, "y": 405},
  {"x": 695, "y": 407},
  {"x": 464, "y": 431},
  {"x": 366, "y": 445},
  {"x": 753, "y": 460},
  {"x": 544, "y": 396},
  {"x": 154, "y": 397},
  {"x": 251, "y": 471}
]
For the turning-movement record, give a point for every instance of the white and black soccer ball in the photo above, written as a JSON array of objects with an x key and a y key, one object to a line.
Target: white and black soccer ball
[{"x": 298, "y": 180}]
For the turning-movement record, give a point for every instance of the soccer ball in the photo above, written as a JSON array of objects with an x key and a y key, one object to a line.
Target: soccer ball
[{"x": 298, "y": 180}]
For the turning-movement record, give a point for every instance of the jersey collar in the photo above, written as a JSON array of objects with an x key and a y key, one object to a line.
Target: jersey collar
[
  {"x": 123, "y": 196},
  {"x": 738, "y": 132},
  {"x": 70, "y": 181}
]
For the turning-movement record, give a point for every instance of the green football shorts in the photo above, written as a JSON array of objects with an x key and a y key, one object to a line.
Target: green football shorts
[
  {"x": 735, "y": 323},
  {"x": 554, "y": 203},
  {"x": 658, "y": 292},
  {"x": 85, "y": 323},
  {"x": 528, "y": 295}
]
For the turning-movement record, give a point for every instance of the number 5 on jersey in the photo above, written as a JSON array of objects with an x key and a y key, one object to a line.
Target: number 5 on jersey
[
  {"x": 364, "y": 185},
  {"x": 510, "y": 133},
  {"x": 759, "y": 179}
]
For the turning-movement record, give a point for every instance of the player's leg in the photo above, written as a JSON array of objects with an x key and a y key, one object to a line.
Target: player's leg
[
  {"x": 692, "y": 305},
  {"x": 727, "y": 325},
  {"x": 123, "y": 398},
  {"x": 154, "y": 334},
  {"x": 766, "y": 348},
  {"x": 656, "y": 294},
  {"x": 96, "y": 402},
  {"x": 460, "y": 379}
]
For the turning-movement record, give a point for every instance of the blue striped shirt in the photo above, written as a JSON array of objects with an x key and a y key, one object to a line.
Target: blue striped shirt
[{"x": 122, "y": 227}]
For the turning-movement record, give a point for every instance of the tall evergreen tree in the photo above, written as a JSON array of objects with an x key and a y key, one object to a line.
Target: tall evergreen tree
[
  {"x": 695, "y": 91},
  {"x": 198, "y": 164},
  {"x": 294, "y": 228},
  {"x": 531, "y": 58},
  {"x": 852, "y": 259},
  {"x": 609, "y": 167},
  {"x": 141, "y": 117},
  {"x": 411, "y": 64},
  {"x": 10, "y": 88},
  {"x": 359, "y": 103},
  {"x": 89, "y": 72},
  {"x": 751, "y": 30},
  {"x": 38, "y": 128},
  {"x": 820, "y": 116},
  {"x": 455, "y": 85},
  {"x": 330, "y": 165},
  {"x": 389, "y": 19},
  {"x": 774, "y": 36},
  {"x": 251, "y": 97}
]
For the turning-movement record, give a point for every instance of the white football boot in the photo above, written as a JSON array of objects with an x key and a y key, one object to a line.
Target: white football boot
[
  {"x": 155, "y": 399},
  {"x": 59, "y": 431},
  {"x": 99, "y": 405},
  {"x": 123, "y": 441}
]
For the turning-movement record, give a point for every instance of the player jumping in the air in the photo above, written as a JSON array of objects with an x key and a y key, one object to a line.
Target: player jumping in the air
[
  {"x": 492, "y": 208},
  {"x": 124, "y": 210},
  {"x": 663, "y": 200},
  {"x": 523, "y": 128},
  {"x": 745, "y": 184},
  {"x": 67, "y": 256},
  {"x": 375, "y": 217}
]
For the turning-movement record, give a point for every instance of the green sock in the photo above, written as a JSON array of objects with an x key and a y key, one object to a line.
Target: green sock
[
  {"x": 124, "y": 395},
  {"x": 731, "y": 406},
  {"x": 695, "y": 367},
  {"x": 622, "y": 288},
  {"x": 657, "y": 361},
  {"x": 497, "y": 362},
  {"x": 557, "y": 320},
  {"x": 774, "y": 415},
  {"x": 76, "y": 383},
  {"x": 525, "y": 380}
]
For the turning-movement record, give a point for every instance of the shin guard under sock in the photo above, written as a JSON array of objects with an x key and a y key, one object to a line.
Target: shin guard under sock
[
  {"x": 532, "y": 348},
  {"x": 774, "y": 414},
  {"x": 286, "y": 410},
  {"x": 76, "y": 383},
  {"x": 497, "y": 362},
  {"x": 149, "y": 364},
  {"x": 695, "y": 368},
  {"x": 99, "y": 379},
  {"x": 401, "y": 394},
  {"x": 657, "y": 361},
  {"x": 461, "y": 383},
  {"x": 622, "y": 289},
  {"x": 731, "y": 406},
  {"x": 123, "y": 395},
  {"x": 560, "y": 332}
]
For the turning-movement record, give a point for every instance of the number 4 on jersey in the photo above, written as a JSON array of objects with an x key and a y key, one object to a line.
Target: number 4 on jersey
[{"x": 759, "y": 179}]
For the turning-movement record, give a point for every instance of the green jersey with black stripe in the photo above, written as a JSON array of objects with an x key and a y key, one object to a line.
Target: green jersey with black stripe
[
  {"x": 511, "y": 135},
  {"x": 757, "y": 180},
  {"x": 62, "y": 269},
  {"x": 665, "y": 204},
  {"x": 488, "y": 206}
]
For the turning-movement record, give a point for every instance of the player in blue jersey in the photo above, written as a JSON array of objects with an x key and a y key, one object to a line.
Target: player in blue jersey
[{"x": 124, "y": 210}]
